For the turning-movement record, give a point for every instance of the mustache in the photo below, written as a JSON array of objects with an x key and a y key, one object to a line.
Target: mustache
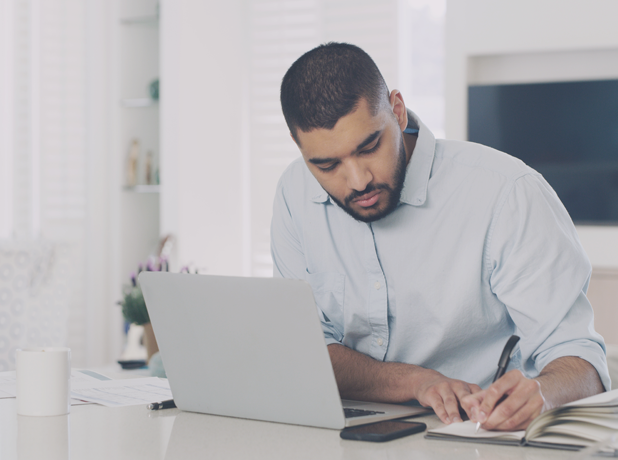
[{"x": 370, "y": 188}]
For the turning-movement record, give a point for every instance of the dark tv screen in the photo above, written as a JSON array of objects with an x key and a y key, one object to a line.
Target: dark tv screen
[{"x": 567, "y": 131}]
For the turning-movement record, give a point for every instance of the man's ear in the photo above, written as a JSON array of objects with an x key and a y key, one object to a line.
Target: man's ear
[{"x": 399, "y": 109}]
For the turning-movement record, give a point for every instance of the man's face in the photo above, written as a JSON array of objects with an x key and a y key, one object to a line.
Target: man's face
[{"x": 361, "y": 162}]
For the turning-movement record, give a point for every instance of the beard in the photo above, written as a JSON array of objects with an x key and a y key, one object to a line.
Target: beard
[{"x": 393, "y": 193}]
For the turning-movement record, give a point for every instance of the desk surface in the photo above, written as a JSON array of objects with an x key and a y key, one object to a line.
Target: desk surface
[{"x": 95, "y": 432}]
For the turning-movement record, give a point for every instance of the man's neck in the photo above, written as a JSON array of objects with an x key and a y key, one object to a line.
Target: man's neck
[{"x": 409, "y": 141}]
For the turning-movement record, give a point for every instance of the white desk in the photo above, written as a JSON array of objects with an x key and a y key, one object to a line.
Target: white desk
[{"x": 97, "y": 432}]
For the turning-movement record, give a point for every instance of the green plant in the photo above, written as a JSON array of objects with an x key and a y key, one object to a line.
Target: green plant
[{"x": 133, "y": 306}]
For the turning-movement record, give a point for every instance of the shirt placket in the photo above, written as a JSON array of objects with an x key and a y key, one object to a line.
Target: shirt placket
[{"x": 378, "y": 299}]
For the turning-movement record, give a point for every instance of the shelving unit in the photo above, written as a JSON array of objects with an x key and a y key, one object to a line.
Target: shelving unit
[
  {"x": 154, "y": 188},
  {"x": 136, "y": 116}
]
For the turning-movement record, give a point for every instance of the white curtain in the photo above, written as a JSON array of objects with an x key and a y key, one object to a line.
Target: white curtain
[{"x": 42, "y": 174}]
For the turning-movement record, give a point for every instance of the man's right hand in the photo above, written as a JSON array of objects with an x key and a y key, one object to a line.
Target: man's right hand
[{"x": 442, "y": 394}]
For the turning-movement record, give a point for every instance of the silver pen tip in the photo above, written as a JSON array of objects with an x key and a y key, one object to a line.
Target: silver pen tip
[{"x": 478, "y": 425}]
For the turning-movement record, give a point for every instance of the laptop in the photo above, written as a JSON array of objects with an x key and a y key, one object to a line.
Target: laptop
[{"x": 250, "y": 348}]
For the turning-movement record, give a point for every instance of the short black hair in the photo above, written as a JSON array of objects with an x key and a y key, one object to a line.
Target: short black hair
[{"x": 327, "y": 83}]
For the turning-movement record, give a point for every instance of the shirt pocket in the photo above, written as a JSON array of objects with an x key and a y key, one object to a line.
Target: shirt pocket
[{"x": 328, "y": 291}]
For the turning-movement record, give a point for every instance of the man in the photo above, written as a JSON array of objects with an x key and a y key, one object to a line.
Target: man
[{"x": 425, "y": 255}]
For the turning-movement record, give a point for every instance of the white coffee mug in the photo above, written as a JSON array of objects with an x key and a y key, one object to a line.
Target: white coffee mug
[{"x": 43, "y": 381}]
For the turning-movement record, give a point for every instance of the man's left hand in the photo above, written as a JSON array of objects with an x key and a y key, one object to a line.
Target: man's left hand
[{"x": 523, "y": 403}]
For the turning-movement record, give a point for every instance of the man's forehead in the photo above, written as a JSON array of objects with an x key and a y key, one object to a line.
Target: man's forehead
[{"x": 349, "y": 132}]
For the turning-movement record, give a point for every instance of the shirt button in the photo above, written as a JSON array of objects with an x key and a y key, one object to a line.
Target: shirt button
[
  {"x": 377, "y": 285},
  {"x": 380, "y": 342}
]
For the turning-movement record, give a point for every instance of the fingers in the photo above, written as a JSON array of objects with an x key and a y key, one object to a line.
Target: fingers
[
  {"x": 474, "y": 388},
  {"x": 472, "y": 402},
  {"x": 523, "y": 402},
  {"x": 445, "y": 398},
  {"x": 502, "y": 387},
  {"x": 436, "y": 401},
  {"x": 517, "y": 421},
  {"x": 451, "y": 404},
  {"x": 518, "y": 410},
  {"x": 465, "y": 390},
  {"x": 510, "y": 403},
  {"x": 442, "y": 394}
]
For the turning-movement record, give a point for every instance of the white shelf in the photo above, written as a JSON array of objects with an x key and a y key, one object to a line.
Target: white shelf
[
  {"x": 138, "y": 103},
  {"x": 135, "y": 29},
  {"x": 153, "y": 188},
  {"x": 141, "y": 20}
]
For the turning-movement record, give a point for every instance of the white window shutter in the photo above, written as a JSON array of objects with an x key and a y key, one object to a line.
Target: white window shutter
[{"x": 42, "y": 80}]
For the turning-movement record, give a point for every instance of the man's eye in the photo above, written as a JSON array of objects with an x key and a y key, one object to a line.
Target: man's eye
[
  {"x": 327, "y": 168},
  {"x": 372, "y": 149}
]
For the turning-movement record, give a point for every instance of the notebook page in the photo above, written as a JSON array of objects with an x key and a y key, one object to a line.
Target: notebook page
[
  {"x": 467, "y": 430},
  {"x": 601, "y": 398},
  {"x": 578, "y": 429}
]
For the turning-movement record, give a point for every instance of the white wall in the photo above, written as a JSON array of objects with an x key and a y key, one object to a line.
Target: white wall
[
  {"x": 102, "y": 318},
  {"x": 531, "y": 40},
  {"x": 201, "y": 107},
  {"x": 6, "y": 120}
]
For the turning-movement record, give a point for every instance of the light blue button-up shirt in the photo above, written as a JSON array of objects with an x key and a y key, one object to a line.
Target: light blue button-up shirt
[{"x": 479, "y": 248}]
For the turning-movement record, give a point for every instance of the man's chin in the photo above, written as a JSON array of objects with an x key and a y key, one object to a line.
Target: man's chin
[{"x": 369, "y": 214}]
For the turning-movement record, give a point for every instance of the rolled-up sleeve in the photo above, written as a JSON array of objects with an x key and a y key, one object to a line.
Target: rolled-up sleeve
[
  {"x": 540, "y": 272},
  {"x": 288, "y": 255}
]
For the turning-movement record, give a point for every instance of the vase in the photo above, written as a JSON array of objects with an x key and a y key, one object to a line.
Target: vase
[{"x": 150, "y": 341}]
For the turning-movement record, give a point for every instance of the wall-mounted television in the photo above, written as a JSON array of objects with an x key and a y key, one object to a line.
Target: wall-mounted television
[{"x": 567, "y": 131}]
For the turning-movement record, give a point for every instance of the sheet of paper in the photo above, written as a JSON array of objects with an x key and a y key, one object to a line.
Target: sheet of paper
[
  {"x": 7, "y": 384},
  {"x": 600, "y": 399},
  {"x": 79, "y": 402},
  {"x": 467, "y": 430},
  {"x": 118, "y": 393},
  {"x": 7, "y": 377},
  {"x": 6, "y": 393},
  {"x": 8, "y": 388}
]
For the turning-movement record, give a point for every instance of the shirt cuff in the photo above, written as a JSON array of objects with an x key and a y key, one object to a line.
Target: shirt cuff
[
  {"x": 589, "y": 351},
  {"x": 330, "y": 340}
]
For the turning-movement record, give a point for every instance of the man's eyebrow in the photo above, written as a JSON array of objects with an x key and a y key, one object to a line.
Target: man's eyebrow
[
  {"x": 321, "y": 161},
  {"x": 368, "y": 140}
]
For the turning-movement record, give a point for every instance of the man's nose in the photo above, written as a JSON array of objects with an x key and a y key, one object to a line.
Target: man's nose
[{"x": 359, "y": 176}]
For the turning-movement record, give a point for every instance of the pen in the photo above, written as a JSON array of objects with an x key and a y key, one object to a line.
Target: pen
[
  {"x": 169, "y": 404},
  {"x": 505, "y": 357}
]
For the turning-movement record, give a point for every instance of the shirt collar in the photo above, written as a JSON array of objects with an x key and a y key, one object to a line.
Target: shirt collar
[
  {"x": 419, "y": 168},
  {"x": 317, "y": 193},
  {"x": 417, "y": 173}
]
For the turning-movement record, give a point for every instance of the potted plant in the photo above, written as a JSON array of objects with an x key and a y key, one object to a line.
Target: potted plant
[{"x": 134, "y": 307}]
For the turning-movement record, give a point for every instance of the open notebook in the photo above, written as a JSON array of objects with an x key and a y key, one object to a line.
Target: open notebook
[{"x": 573, "y": 426}]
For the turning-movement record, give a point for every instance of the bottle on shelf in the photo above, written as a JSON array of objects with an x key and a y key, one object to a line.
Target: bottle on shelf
[{"x": 132, "y": 159}]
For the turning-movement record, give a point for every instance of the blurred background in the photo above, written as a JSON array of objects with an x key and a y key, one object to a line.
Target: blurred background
[{"x": 137, "y": 130}]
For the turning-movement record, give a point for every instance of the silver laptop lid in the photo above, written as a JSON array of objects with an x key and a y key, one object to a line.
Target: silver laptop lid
[{"x": 243, "y": 347}]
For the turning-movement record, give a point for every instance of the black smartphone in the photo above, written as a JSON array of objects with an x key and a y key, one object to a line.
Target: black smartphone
[{"x": 382, "y": 431}]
